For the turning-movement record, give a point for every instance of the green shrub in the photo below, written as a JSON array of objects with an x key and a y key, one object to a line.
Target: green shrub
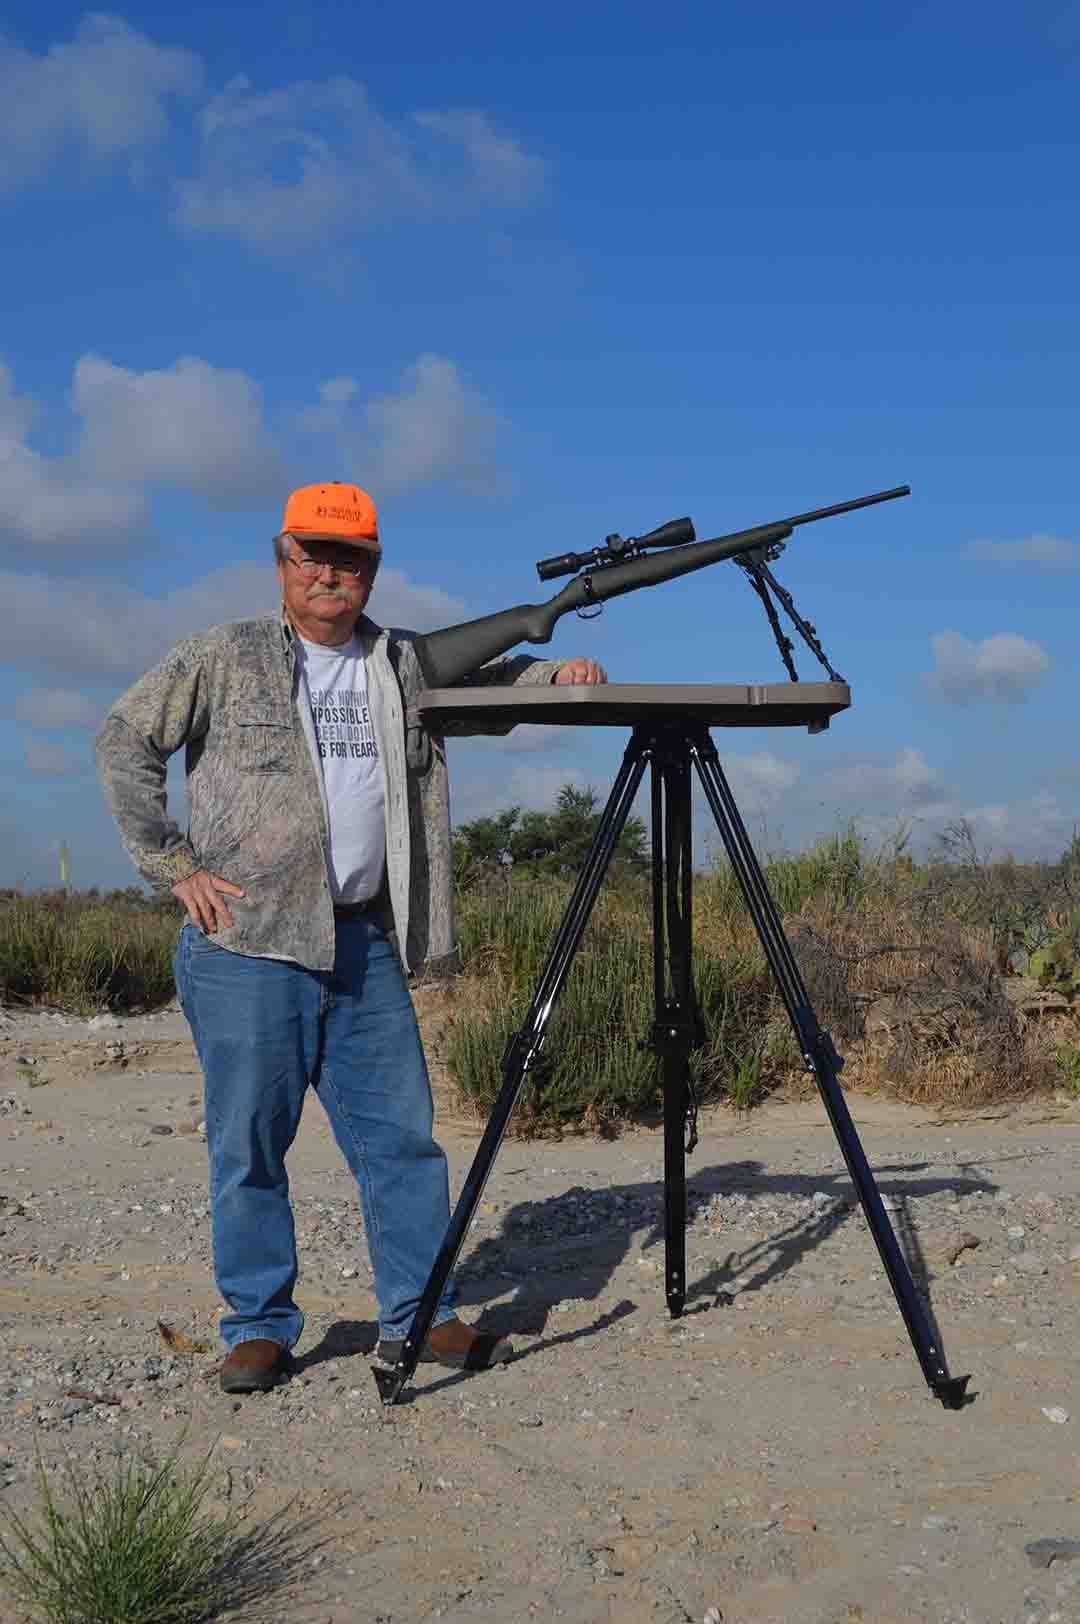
[
  {"x": 594, "y": 1070},
  {"x": 138, "y": 1544},
  {"x": 84, "y": 953}
]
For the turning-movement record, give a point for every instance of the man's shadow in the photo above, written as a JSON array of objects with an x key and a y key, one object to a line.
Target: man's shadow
[{"x": 569, "y": 1246}]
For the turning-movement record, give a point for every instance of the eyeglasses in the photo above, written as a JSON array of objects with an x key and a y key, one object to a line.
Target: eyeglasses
[{"x": 311, "y": 567}]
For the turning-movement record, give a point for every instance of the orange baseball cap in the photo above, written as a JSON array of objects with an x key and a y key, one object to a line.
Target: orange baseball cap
[{"x": 332, "y": 512}]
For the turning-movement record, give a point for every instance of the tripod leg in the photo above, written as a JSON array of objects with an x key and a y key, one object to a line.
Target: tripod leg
[
  {"x": 521, "y": 1052},
  {"x": 676, "y": 1028},
  {"x": 822, "y": 1059}
]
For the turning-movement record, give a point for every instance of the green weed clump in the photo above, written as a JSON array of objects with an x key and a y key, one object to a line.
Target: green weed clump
[
  {"x": 140, "y": 1545},
  {"x": 594, "y": 1071},
  {"x": 86, "y": 952}
]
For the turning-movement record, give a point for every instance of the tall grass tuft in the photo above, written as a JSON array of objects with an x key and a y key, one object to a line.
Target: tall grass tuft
[
  {"x": 595, "y": 1071},
  {"x": 87, "y": 952},
  {"x": 141, "y": 1546}
]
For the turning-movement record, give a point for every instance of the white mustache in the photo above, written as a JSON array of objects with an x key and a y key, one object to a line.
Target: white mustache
[{"x": 327, "y": 592}]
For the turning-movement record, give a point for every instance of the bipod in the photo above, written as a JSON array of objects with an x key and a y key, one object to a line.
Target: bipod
[{"x": 670, "y": 748}]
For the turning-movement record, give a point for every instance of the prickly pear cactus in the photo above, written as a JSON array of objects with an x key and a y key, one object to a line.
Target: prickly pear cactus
[{"x": 1056, "y": 963}]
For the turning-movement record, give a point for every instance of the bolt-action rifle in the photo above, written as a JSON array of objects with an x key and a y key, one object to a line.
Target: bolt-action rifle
[{"x": 621, "y": 565}]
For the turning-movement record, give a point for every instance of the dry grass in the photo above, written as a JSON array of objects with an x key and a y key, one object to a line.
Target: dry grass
[
  {"x": 906, "y": 965},
  {"x": 910, "y": 967}
]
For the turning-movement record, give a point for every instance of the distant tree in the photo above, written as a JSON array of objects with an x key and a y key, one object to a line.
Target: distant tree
[{"x": 554, "y": 842}]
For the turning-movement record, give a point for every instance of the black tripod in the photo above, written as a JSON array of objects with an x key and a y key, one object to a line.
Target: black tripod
[{"x": 670, "y": 746}]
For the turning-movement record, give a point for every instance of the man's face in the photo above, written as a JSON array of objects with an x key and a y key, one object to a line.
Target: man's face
[{"x": 331, "y": 595}]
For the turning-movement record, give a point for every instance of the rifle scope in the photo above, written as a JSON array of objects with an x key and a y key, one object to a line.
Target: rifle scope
[{"x": 673, "y": 534}]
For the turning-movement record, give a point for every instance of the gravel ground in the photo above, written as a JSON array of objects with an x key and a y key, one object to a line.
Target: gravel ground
[{"x": 773, "y": 1455}]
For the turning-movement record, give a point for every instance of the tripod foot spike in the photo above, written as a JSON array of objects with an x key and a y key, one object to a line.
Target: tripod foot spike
[
  {"x": 952, "y": 1391},
  {"x": 389, "y": 1383}
]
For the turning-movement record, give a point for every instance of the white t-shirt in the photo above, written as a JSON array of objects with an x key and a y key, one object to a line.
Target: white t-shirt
[{"x": 336, "y": 684}]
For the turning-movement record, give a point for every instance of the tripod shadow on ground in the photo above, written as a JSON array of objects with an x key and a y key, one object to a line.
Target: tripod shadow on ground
[{"x": 569, "y": 1246}]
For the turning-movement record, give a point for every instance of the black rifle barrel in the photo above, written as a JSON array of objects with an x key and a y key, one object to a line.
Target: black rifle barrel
[
  {"x": 449, "y": 655},
  {"x": 849, "y": 507}
]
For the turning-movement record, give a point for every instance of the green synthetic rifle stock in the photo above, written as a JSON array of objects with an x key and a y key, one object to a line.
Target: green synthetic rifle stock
[{"x": 449, "y": 655}]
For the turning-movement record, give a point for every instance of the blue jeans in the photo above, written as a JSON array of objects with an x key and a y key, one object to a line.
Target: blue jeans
[{"x": 265, "y": 1030}]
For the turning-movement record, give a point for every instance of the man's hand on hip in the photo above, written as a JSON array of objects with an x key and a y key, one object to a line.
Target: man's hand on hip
[
  {"x": 203, "y": 895},
  {"x": 580, "y": 670}
]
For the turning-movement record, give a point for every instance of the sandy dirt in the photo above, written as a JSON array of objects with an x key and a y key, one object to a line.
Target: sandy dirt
[{"x": 772, "y": 1455}]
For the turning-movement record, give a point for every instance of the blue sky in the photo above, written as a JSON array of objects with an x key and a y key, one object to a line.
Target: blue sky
[{"x": 532, "y": 276}]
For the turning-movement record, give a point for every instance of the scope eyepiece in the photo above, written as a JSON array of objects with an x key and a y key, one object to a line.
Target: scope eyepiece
[{"x": 565, "y": 564}]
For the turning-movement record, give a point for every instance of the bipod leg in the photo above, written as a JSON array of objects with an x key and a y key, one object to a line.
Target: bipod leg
[
  {"x": 676, "y": 1029},
  {"x": 522, "y": 1050},
  {"x": 822, "y": 1059}
]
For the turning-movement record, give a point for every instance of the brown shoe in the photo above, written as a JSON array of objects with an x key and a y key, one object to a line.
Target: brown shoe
[
  {"x": 454, "y": 1344},
  {"x": 255, "y": 1366}
]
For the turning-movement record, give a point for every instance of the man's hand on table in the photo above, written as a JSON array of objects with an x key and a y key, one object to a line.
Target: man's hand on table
[{"x": 580, "y": 670}]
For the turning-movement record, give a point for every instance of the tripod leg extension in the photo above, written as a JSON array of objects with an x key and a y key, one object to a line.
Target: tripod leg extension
[
  {"x": 676, "y": 1028},
  {"x": 521, "y": 1053},
  {"x": 822, "y": 1059}
]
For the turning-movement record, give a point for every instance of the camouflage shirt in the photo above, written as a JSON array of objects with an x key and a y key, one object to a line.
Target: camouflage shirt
[{"x": 231, "y": 698}]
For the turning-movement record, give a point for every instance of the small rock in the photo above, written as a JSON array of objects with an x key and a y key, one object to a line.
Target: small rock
[
  {"x": 957, "y": 1244},
  {"x": 629, "y": 1552},
  {"x": 160, "y": 1127},
  {"x": 1041, "y": 1552},
  {"x": 1054, "y": 1412}
]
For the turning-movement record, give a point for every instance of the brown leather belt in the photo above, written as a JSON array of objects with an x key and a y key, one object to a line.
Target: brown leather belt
[{"x": 354, "y": 910}]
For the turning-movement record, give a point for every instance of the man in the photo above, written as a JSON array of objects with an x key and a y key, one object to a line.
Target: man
[{"x": 316, "y": 872}]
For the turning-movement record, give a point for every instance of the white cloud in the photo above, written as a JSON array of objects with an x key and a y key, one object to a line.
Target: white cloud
[
  {"x": 535, "y": 739},
  {"x": 1038, "y": 827},
  {"x": 538, "y": 787},
  {"x": 103, "y": 95},
  {"x": 909, "y": 780},
  {"x": 50, "y": 760},
  {"x": 105, "y": 633},
  {"x": 293, "y": 169},
  {"x": 54, "y": 500},
  {"x": 497, "y": 165},
  {"x": 191, "y": 426},
  {"x": 57, "y": 707},
  {"x": 1038, "y": 552},
  {"x": 758, "y": 781},
  {"x": 433, "y": 429},
  {"x": 397, "y": 601},
  {"x": 1002, "y": 669}
]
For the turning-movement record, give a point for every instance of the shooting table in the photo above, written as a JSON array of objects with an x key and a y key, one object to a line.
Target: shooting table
[
  {"x": 669, "y": 725},
  {"x": 624, "y": 704}
]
